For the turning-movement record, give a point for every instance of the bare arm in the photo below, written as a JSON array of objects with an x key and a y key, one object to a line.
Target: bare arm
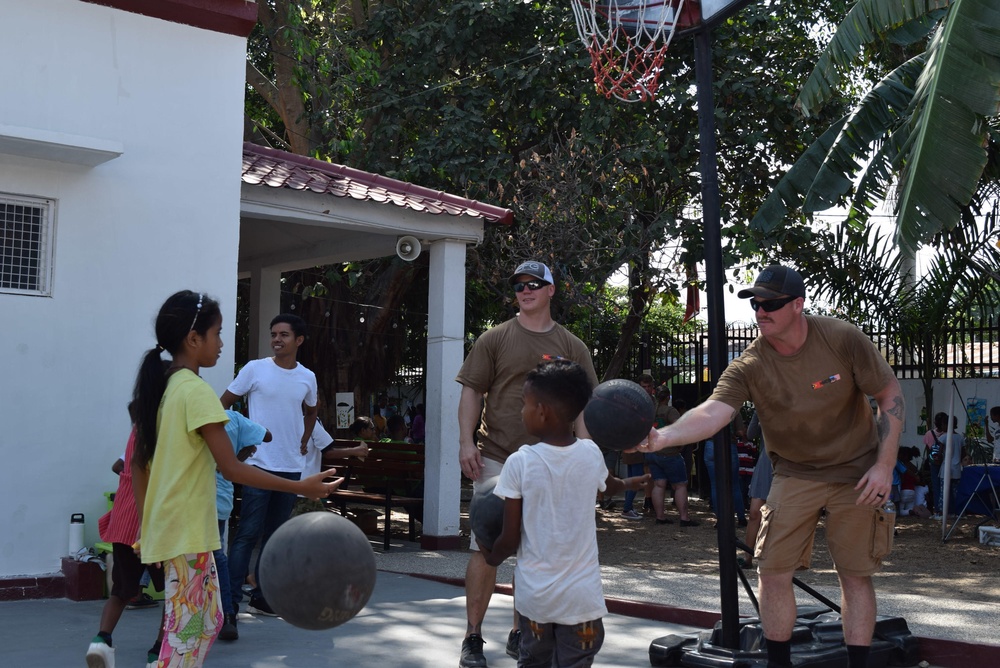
[
  {"x": 510, "y": 538},
  {"x": 360, "y": 451},
  {"x": 470, "y": 406},
  {"x": 701, "y": 422},
  {"x": 876, "y": 484},
  {"x": 614, "y": 485},
  {"x": 140, "y": 482},
  {"x": 228, "y": 399},
  {"x": 232, "y": 469},
  {"x": 309, "y": 414}
]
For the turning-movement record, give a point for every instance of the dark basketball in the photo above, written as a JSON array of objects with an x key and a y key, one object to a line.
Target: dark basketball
[
  {"x": 317, "y": 570},
  {"x": 486, "y": 515},
  {"x": 619, "y": 415}
]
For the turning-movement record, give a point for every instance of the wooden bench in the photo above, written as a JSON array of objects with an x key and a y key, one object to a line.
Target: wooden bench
[{"x": 391, "y": 476}]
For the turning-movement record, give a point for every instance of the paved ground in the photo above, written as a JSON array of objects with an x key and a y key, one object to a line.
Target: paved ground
[
  {"x": 409, "y": 623},
  {"x": 418, "y": 622},
  {"x": 957, "y": 620}
]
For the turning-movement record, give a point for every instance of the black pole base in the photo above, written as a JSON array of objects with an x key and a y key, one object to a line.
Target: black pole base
[{"x": 817, "y": 641}]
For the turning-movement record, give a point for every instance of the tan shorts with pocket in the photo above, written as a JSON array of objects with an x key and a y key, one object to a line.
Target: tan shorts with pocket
[
  {"x": 859, "y": 536},
  {"x": 491, "y": 470}
]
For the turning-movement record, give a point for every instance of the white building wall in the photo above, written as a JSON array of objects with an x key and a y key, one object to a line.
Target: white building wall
[
  {"x": 161, "y": 217},
  {"x": 965, "y": 389}
]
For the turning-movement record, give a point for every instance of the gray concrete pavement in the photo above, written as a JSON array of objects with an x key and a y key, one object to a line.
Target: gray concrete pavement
[
  {"x": 418, "y": 622},
  {"x": 408, "y": 623},
  {"x": 950, "y": 619}
]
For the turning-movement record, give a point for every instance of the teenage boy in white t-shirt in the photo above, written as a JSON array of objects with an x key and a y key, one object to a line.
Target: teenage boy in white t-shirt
[{"x": 282, "y": 397}]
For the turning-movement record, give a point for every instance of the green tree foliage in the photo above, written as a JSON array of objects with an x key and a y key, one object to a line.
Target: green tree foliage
[
  {"x": 930, "y": 129},
  {"x": 495, "y": 101}
]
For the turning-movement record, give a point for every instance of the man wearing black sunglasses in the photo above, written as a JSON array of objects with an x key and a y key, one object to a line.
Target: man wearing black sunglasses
[
  {"x": 809, "y": 378},
  {"x": 489, "y": 411}
]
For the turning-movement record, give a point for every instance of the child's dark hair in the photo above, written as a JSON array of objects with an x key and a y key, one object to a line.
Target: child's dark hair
[
  {"x": 941, "y": 422},
  {"x": 183, "y": 312},
  {"x": 395, "y": 422},
  {"x": 562, "y": 384},
  {"x": 363, "y": 422},
  {"x": 297, "y": 324}
]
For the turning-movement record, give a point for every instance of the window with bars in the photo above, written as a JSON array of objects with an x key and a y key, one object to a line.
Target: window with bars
[{"x": 25, "y": 245}]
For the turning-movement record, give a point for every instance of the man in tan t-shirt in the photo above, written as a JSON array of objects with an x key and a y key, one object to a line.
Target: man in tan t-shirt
[
  {"x": 809, "y": 378},
  {"x": 489, "y": 409}
]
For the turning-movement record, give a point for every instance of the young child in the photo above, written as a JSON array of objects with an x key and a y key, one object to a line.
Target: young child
[
  {"x": 363, "y": 429},
  {"x": 180, "y": 441},
  {"x": 120, "y": 527},
  {"x": 245, "y": 435},
  {"x": 396, "y": 431},
  {"x": 321, "y": 443},
  {"x": 549, "y": 521}
]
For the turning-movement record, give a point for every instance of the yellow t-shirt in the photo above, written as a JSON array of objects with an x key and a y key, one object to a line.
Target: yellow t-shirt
[{"x": 179, "y": 515}]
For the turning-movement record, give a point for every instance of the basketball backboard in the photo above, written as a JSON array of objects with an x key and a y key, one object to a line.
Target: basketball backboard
[
  {"x": 714, "y": 11},
  {"x": 634, "y": 15}
]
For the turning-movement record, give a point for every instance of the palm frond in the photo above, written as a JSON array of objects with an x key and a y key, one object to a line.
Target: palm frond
[
  {"x": 867, "y": 21},
  {"x": 881, "y": 110},
  {"x": 862, "y": 259},
  {"x": 915, "y": 31},
  {"x": 793, "y": 186},
  {"x": 873, "y": 187},
  {"x": 958, "y": 90}
]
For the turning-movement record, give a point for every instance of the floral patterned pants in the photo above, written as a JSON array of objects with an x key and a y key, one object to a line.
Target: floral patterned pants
[{"x": 193, "y": 614}]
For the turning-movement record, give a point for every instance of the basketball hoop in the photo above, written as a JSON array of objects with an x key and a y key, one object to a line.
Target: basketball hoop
[{"x": 627, "y": 41}]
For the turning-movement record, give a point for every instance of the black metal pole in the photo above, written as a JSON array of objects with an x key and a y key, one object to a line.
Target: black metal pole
[{"x": 717, "y": 347}]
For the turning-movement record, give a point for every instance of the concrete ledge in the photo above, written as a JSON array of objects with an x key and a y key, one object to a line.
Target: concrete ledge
[
  {"x": 440, "y": 542},
  {"x": 941, "y": 652},
  {"x": 52, "y": 585}
]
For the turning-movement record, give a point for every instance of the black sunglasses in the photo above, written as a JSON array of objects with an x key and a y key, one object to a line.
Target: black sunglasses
[
  {"x": 770, "y": 305},
  {"x": 534, "y": 285}
]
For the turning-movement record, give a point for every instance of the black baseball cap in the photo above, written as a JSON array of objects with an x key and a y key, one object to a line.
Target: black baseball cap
[{"x": 775, "y": 281}]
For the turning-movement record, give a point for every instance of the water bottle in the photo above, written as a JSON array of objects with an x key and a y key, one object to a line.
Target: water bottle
[
  {"x": 76, "y": 524},
  {"x": 889, "y": 507}
]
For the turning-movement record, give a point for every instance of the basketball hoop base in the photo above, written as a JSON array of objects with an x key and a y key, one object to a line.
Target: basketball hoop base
[{"x": 817, "y": 641}]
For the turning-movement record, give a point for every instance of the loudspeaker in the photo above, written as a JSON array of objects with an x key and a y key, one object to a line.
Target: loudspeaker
[{"x": 408, "y": 248}]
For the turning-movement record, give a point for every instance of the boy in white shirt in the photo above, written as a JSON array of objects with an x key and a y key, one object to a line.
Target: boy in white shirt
[
  {"x": 549, "y": 521},
  {"x": 282, "y": 396}
]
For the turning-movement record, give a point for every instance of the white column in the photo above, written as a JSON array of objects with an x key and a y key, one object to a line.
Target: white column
[
  {"x": 445, "y": 353},
  {"x": 265, "y": 303}
]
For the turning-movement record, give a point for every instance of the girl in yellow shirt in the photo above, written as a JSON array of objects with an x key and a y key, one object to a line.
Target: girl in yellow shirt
[{"x": 180, "y": 441}]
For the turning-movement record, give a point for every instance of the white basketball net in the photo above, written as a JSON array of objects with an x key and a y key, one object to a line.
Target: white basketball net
[{"x": 627, "y": 40}]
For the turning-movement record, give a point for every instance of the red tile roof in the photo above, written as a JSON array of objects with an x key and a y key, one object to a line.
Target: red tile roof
[
  {"x": 280, "y": 169},
  {"x": 231, "y": 17}
]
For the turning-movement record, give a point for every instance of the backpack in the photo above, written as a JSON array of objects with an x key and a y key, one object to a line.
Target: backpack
[{"x": 937, "y": 450}]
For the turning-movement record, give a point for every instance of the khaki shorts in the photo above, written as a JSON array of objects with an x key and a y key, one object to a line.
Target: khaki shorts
[
  {"x": 858, "y": 536},
  {"x": 491, "y": 470}
]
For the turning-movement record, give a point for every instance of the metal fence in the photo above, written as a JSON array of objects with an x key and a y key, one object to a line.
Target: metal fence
[{"x": 965, "y": 350}]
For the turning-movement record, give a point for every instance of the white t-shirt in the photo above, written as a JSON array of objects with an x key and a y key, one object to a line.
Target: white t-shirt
[
  {"x": 558, "y": 574},
  {"x": 276, "y": 397},
  {"x": 995, "y": 432},
  {"x": 313, "y": 460}
]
